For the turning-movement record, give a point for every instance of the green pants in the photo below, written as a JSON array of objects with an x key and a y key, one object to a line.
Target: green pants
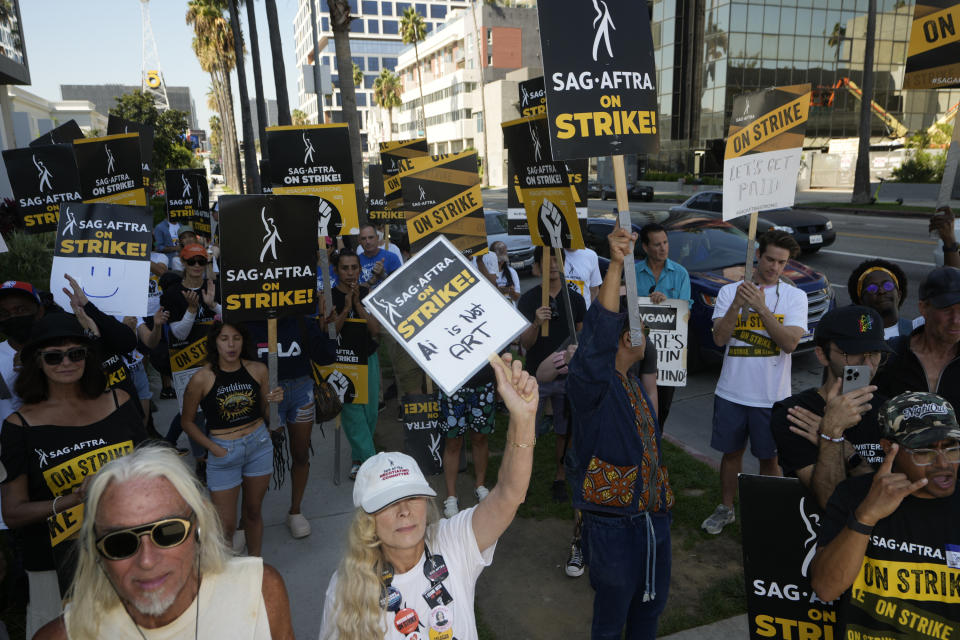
[{"x": 359, "y": 421}]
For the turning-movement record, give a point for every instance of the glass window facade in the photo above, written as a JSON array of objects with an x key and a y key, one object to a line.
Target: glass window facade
[{"x": 746, "y": 45}]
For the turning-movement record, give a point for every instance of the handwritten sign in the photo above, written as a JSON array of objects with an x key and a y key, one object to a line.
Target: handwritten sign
[
  {"x": 446, "y": 315},
  {"x": 667, "y": 323}
]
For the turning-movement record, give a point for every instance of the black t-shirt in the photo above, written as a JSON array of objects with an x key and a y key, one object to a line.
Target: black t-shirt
[
  {"x": 299, "y": 340},
  {"x": 796, "y": 452},
  {"x": 905, "y": 566},
  {"x": 55, "y": 460},
  {"x": 340, "y": 298},
  {"x": 173, "y": 301},
  {"x": 903, "y": 372},
  {"x": 559, "y": 332}
]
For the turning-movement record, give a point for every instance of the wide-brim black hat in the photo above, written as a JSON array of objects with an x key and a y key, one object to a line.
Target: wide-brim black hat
[{"x": 54, "y": 326}]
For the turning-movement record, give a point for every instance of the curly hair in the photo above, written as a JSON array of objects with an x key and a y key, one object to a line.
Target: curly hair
[
  {"x": 780, "y": 239},
  {"x": 358, "y": 615},
  {"x": 899, "y": 278}
]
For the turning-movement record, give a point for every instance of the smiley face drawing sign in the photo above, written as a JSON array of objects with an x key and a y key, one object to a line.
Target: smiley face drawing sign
[{"x": 106, "y": 248}]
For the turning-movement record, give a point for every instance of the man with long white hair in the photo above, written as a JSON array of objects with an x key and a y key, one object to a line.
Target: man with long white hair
[{"x": 152, "y": 563}]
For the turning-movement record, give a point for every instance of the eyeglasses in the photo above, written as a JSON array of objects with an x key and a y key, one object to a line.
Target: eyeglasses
[
  {"x": 887, "y": 285},
  {"x": 166, "y": 534},
  {"x": 196, "y": 262},
  {"x": 876, "y": 357},
  {"x": 926, "y": 457},
  {"x": 54, "y": 357}
]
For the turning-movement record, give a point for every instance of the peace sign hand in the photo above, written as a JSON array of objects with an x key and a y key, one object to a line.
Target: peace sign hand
[{"x": 887, "y": 491}]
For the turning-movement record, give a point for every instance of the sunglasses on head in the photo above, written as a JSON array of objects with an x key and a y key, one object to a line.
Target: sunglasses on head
[
  {"x": 196, "y": 262},
  {"x": 887, "y": 285},
  {"x": 54, "y": 357},
  {"x": 165, "y": 534}
]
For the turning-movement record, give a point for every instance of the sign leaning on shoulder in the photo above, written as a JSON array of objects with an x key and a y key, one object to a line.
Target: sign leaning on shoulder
[
  {"x": 446, "y": 315},
  {"x": 933, "y": 56},
  {"x": 762, "y": 157},
  {"x": 42, "y": 178},
  {"x": 780, "y": 601},
  {"x": 110, "y": 169},
  {"x": 441, "y": 195},
  {"x": 106, "y": 248},
  {"x": 667, "y": 323},
  {"x": 268, "y": 256},
  {"x": 183, "y": 194},
  {"x": 600, "y": 77},
  {"x": 315, "y": 160}
]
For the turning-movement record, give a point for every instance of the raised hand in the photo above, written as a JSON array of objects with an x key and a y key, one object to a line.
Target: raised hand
[
  {"x": 209, "y": 292},
  {"x": 552, "y": 221},
  {"x": 193, "y": 300},
  {"x": 78, "y": 299},
  {"x": 378, "y": 269},
  {"x": 517, "y": 387},
  {"x": 844, "y": 411},
  {"x": 161, "y": 317},
  {"x": 887, "y": 491}
]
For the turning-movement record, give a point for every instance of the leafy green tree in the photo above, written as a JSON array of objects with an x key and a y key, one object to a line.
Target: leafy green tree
[
  {"x": 298, "y": 118},
  {"x": 357, "y": 75},
  {"x": 169, "y": 131},
  {"x": 413, "y": 30},
  {"x": 386, "y": 94}
]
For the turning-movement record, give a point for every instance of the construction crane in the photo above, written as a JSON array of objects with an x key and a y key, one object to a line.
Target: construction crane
[
  {"x": 823, "y": 97},
  {"x": 944, "y": 119},
  {"x": 151, "y": 78}
]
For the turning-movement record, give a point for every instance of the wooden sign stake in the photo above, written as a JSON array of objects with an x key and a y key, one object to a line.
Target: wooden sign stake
[
  {"x": 629, "y": 271},
  {"x": 327, "y": 293},
  {"x": 272, "y": 368},
  {"x": 336, "y": 452},
  {"x": 751, "y": 253},
  {"x": 545, "y": 288},
  {"x": 565, "y": 294}
]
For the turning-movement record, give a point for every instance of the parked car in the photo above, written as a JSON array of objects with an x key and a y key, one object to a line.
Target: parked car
[
  {"x": 713, "y": 252},
  {"x": 596, "y": 189},
  {"x": 635, "y": 191},
  {"x": 812, "y": 231},
  {"x": 519, "y": 248}
]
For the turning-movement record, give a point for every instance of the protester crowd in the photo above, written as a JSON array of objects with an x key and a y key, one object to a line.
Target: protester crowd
[{"x": 121, "y": 534}]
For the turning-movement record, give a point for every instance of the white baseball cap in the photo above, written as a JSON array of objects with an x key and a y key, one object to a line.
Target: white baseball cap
[{"x": 387, "y": 477}]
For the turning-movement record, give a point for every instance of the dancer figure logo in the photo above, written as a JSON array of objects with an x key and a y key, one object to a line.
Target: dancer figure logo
[
  {"x": 43, "y": 174},
  {"x": 186, "y": 186},
  {"x": 111, "y": 164},
  {"x": 271, "y": 237},
  {"x": 602, "y": 23},
  {"x": 307, "y": 149},
  {"x": 537, "y": 146},
  {"x": 391, "y": 312},
  {"x": 423, "y": 194},
  {"x": 71, "y": 222}
]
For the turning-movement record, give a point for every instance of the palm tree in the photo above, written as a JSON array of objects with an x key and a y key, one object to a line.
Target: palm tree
[
  {"x": 340, "y": 24},
  {"x": 298, "y": 118},
  {"x": 279, "y": 73},
  {"x": 386, "y": 94},
  {"x": 213, "y": 46},
  {"x": 249, "y": 148},
  {"x": 414, "y": 30},
  {"x": 257, "y": 79},
  {"x": 861, "y": 176},
  {"x": 357, "y": 75}
]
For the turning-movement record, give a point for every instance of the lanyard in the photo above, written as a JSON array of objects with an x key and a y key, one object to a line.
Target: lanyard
[{"x": 437, "y": 597}]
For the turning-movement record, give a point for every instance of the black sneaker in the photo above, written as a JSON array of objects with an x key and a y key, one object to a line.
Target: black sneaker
[
  {"x": 574, "y": 567},
  {"x": 167, "y": 393},
  {"x": 559, "y": 491}
]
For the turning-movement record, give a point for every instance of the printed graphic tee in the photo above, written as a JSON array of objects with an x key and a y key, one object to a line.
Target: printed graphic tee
[
  {"x": 756, "y": 372},
  {"x": 582, "y": 269},
  {"x": 454, "y": 540},
  {"x": 909, "y": 583}
]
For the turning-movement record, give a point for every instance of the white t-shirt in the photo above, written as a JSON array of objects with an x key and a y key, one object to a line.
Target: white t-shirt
[
  {"x": 891, "y": 332},
  {"x": 454, "y": 540},
  {"x": 749, "y": 375},
  {"x": 581, "y": 268},
  {"x": 11, "y": 404}
]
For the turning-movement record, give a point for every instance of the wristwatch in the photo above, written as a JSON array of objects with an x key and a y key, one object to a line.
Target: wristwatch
[{"x": 952, "y": 248}]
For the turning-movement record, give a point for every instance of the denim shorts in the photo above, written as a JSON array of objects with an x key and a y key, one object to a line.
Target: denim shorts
[
  {"x": 733, "y": 422},
  {"x": 251, "y": 455},
  {"x": 141, "y": 381},
  {"x": 297, "y": 405}
]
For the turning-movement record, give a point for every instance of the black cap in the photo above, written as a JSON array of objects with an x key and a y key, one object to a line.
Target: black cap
[
  {"x": 53, "y": 326},
  {"x": 941, "y": 287},
  {"x": 854, "y": 329}
]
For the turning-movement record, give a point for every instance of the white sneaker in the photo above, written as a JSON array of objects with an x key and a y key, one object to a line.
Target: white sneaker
[
  {"x": 721, "y": 517},
  {"x": 299, "y": 526},
  {"x": 481, "y": 492},
  {"x": 239, "y": 542},
  {"x": 451, "y": 507}
]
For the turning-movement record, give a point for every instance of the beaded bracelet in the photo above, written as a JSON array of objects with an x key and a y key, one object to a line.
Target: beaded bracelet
[{"x": 826, "y": 437}]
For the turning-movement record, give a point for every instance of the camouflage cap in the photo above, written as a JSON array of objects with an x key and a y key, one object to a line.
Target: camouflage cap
[{"x": 918, "y": 419}]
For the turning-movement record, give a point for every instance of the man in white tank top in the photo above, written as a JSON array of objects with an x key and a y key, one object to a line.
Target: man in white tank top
[{"x": 153, "y": 563}]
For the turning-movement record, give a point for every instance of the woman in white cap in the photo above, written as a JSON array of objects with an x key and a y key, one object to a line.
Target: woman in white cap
[{"x": 408, "y": 574}]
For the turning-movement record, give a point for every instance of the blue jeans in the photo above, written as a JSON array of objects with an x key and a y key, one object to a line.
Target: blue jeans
[{"x": 616, "y": 551}]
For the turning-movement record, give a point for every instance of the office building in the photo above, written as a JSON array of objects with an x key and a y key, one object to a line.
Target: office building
[{"x": 104, "y": 97}]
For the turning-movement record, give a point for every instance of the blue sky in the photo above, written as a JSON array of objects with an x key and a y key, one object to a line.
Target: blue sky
[{"x": 99, "y": 42}]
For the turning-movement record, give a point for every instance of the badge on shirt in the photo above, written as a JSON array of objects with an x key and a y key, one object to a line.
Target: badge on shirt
[
  {"x": 406, "y": 621},
  {"x": 439, "y": 619},
  {"x": 435, "y": 569},
  {"x": 441, "y": 635},
  {"x": 390, "y": 600},
  {"x": 953, "y": 555},
  {"x": 437, "y": 595}
]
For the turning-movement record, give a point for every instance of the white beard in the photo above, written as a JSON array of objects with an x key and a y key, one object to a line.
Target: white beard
[{"x": 154, "y": 604}]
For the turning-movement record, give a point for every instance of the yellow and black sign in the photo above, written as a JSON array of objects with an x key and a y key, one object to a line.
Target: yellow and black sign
[
  {"x": 441, "y": 195},
  {"x": 769, "y": 120},
  {"x": 192, "y": 354},
  {"x": 116, "y": 124},
  {"x": 62, "y": 478},
  {"x": 394, "y": 158},
  {"x": 348, "y": 374},
  {"x": 423, "y": 434},
  {"x": 533, "y": 97},
  {"x": 933, "y": 57},
  {"x": 315, "y": 160},
  {"x": 110, "y": 169},
  {"x": 377, "y": 210},
  {"x": 184, "y": 195},
  {"x": 42, "y": 178}
]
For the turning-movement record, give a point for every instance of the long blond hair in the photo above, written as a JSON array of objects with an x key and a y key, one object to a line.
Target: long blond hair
[
  {"x": 91, "y": 595},
  {"x": 358, "y": 615}
]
